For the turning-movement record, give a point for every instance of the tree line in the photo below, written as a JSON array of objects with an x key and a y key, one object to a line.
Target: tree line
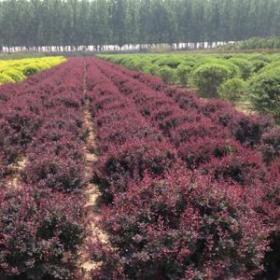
[
  {"x": 118, "y": 22},
  {"x": 260, "y": 43}
]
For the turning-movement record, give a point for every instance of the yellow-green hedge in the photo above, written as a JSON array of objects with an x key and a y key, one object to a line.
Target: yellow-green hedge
[{"x": 12, "y": 71}]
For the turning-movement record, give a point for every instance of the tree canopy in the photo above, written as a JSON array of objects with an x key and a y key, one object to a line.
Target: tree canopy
[{"x": 118, "y": 22}]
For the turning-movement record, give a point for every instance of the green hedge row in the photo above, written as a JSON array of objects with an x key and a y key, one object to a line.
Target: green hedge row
[{"x": 12, "y": 71}]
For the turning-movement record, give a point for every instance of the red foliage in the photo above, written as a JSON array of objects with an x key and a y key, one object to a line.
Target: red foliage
[
  {"x": 175, "y": 228},
  {"x": 40, "y": 228},
  {"x": 191, "y": 187},
  {"x": 213, "y": 222},
  {"x": 37, "y": 230}
]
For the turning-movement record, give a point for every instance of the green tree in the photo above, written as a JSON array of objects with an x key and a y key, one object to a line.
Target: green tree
[{"x": 117, "y": 22}]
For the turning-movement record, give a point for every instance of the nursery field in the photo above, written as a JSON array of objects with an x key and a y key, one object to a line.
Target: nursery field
[
  {"x": 251, "y": 81},
  {"x": 109, "y": 173}
]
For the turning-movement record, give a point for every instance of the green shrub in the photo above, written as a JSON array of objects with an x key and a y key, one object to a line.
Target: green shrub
[
  {"x": 190, "y": 61},
  {"x": 183, "y": 73},
  {"x": 139, "y": 64},
  {"x": 208, "y": 77},
  {"x": 17, "y": 70},
  {"x": 5, "y": 79},
  {"x": 167, "y": 74},
  {"x": 134, "y": 63},
  {"x": 271, "y": 66},
  {"x": 29, "y": 70},
  {"x": 42, "y": 65},
  {"x": 129, "y": 63},
  {"x": 146, "y": 68},
  {"x": 244, "y": 65},
  {"x": 232, "y": 89},
  {"x": 152, "y": 69},
  {"x": 265, "y": 92},
  {"x": 227, "y": 56},
  {"x": 234, "y": 69},
  {"x": 257, "y": 65},
  {"x": 261, "y": 57},
  {"x": 14, "y": 74},
  {"x": 169, "y": 61}
]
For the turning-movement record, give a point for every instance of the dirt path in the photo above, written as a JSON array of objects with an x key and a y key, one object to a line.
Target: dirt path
[
  {"x": 92, "y": 196},
  {"x": 13, "y": 181}
]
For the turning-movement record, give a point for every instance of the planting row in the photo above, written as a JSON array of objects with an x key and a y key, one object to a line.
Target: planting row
[
  {"x": 196, "y": 136},
  {"x": 21, "y": 114},
  {"x": 12, "y": 71},
  {"x": 128, "y": 147},
  {"x": 14, "y": 100},
  {"x": 248, "y": 130},
  {"x": 191, "y": 200},
  {"x": 250, "y": 80},
  {"x": 41, "y": 219}
]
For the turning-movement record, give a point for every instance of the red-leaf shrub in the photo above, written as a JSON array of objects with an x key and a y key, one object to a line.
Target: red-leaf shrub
[
  {"x": 130, "y": 163},
  {"x": 17, "y": 127},
  {"x": 182, "y": 129},
  {"x": 217, "y": 144},
  {"x": 177, "y": 229},
  {"x": 270, "y": 146},
  {"x": 38, "y": 229},
  {"x": 124, "y": 131},
  {"x": 51, "y": 100},
  {"x": 248, "y": 130},
  {"x": 57, "y": 144},
  {"x": 271, "y": 208},
  {"x": 198, "y": 151},
  {"x": 191, "y": 131},
  {"x": 129, "y": 147},
  {"x": 41, "y": 120},
  {"x": 244, "y": 170},
  {"x": 54, "y": 172}
]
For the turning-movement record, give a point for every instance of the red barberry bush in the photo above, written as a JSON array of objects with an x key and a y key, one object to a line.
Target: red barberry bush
[
  {"x": 182, "y": 229},
  {"x": 40, "y": 232}
]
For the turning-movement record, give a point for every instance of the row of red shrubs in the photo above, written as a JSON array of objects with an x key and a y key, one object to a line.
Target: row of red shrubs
[
  {"x": 41, "y": 221},
  {"x": 192, "y": 188}
]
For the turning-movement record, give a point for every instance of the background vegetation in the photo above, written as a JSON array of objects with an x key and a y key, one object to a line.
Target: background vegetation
[
  {"x": 100, "y": 22},
  {"x": 258, "y": 43}
]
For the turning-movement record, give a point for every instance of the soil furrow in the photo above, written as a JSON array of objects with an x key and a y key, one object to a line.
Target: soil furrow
[{"x": 92, "y": 196}]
